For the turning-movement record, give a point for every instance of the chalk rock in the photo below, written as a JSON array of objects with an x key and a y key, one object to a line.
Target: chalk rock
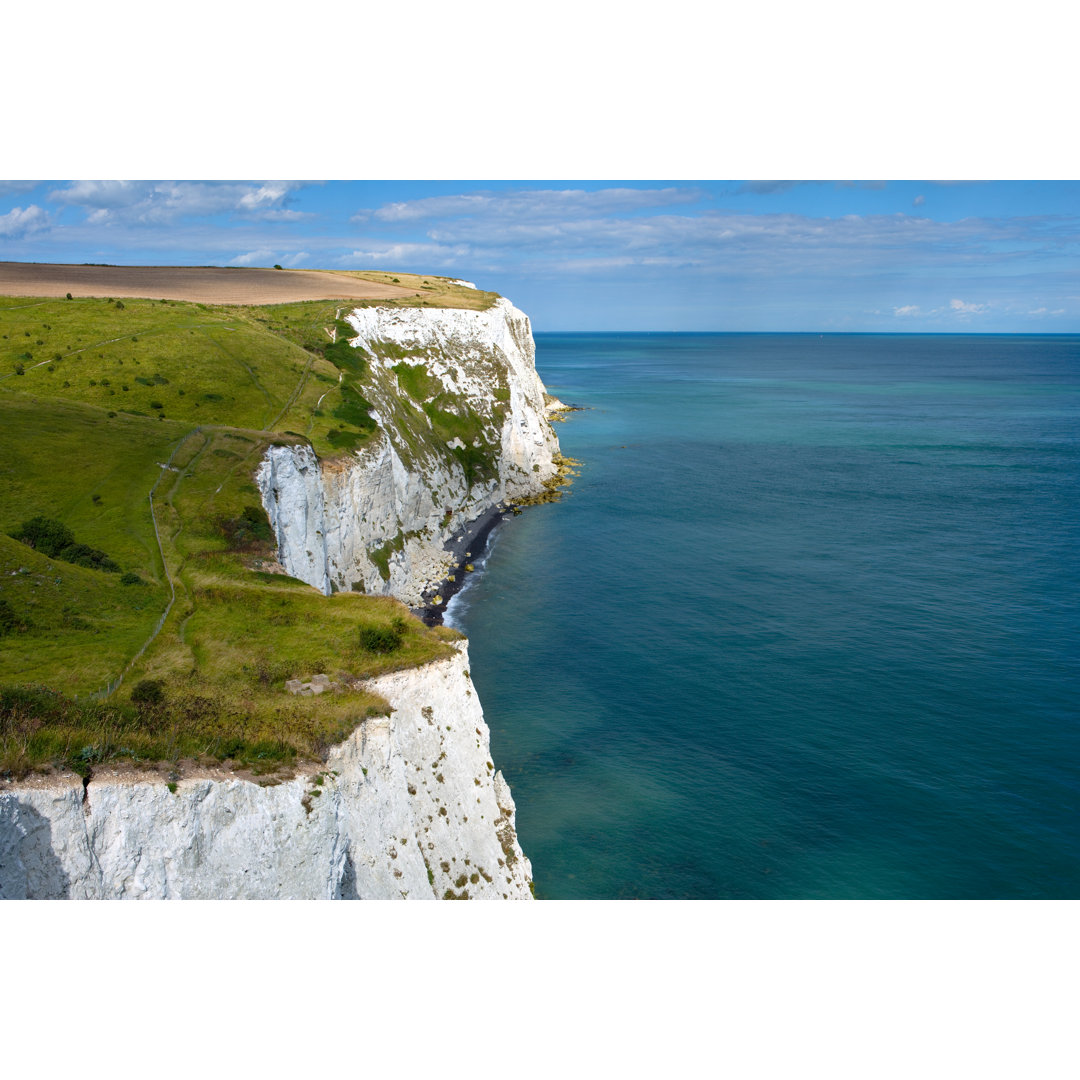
[
  {"x": 383, "y": 827},
  {"x": 405, "y": 493}
]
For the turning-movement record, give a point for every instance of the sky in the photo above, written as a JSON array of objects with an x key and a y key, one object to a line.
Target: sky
[{"x": 666, "y": 255}]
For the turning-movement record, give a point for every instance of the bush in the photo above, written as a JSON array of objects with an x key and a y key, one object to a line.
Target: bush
[
  {"x": 148, "y": 692},
  {"x": 91, "y": 558},
  {"x": 251, "y": 528},
  {"x": 277, "y": 266},
  {"x": 55, "y": 540},
  {"x": 353, "y": 410},
  {"x": 380, "y": 639},
  {"x": 19, "y": 369},
  {"x": 45, "y": 535},
  {"x": 69, "y": 296},
  {"x": 129, "y": 577}
]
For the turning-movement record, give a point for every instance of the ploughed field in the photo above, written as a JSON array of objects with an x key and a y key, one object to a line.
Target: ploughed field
[
  {"x": 105, "y": 400},
  {"x": 230, "y": 285}
]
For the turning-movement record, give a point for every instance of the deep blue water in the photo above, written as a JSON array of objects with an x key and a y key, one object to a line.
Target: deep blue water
[{"x": 806, "y": 626}]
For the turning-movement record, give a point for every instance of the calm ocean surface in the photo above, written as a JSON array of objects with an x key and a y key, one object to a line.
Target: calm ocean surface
[{"x": 807, "y": 625}]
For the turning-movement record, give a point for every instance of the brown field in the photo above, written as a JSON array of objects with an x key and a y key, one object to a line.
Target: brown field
[{"x": 206, "y": 285}]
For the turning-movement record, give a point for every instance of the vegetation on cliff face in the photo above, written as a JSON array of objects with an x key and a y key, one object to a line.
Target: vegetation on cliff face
[
  {"x": 433, "y": 415},
  {"x": 102, "y": 403}
]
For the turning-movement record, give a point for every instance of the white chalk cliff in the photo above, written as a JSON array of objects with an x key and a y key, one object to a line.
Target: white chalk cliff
[
  {"x": 411, "y": 805},
  {"x": 408, "y": 807},
  {"x": 408, "y": 491}
]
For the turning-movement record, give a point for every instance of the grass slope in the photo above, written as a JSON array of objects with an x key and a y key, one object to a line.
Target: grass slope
[{"x": 95, "y": 398}]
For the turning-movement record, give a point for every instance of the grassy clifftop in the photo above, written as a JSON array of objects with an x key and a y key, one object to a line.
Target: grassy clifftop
[
  {"x": 429, "y": 291},
  {"x": 102, "y": 402}
]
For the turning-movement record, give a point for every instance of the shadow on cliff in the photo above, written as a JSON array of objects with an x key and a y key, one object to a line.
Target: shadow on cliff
[
  {"x": 29, "y": 868},
  {"x": 346, "y": 889}
]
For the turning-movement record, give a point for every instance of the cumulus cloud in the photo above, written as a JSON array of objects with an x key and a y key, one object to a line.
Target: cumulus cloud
[
  {"x": 907, "y": 309},
  {"x": 966, "y": 309},
  {"x": 18, "y": 222},
  {"x": 918, "y": 200},
  {"x": 151, "y": 202},
  {"x": 261, "y": 257}
]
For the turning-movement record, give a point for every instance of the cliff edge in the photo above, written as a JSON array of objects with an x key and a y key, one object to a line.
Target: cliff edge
[
  {"x": 408, "y": 807},
  {"x": 462, "y": 428}
]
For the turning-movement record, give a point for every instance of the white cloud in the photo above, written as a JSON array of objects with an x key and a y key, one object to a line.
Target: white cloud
[
  {"x": 431, "y": 254},
  {"x": 149, "y": 202},
  {"x": 266, "y": 196},
  {"x": 907, "y": 309},
  {"x": 284, "y": 215},
  {"x": 261, "y": 256},
  {"x": 530, "y": 205},
  {"x": 966, "y": 309},
  {"x": 19, "y": 222},
  {"x": 299, "y": 257},
  {"x": 770, "y": 243},
  {"x": 601, "y": 264},
  {"x": 918, "y": 200},
  {"x": 1037, "y": 311}
]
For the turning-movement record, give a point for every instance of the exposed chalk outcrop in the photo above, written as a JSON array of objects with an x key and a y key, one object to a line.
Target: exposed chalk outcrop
[
  {"x": 409, "y": 806},
  {"x": 378, "y": 519}
]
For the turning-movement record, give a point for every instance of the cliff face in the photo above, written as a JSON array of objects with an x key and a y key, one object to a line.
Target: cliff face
[
  {"x": 463, "y": 427},
  {"x": 408, "y": 807}
]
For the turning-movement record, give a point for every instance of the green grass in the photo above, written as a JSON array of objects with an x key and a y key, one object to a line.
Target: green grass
[
  {"x": 429, "y": 291},
  {"x": 261, "y": 368},
  {"x": 235, "y": 633},
  {"x": 417, "y": 382}
]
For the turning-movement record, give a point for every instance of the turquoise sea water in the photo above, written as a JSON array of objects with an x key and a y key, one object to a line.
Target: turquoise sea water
[{"x": 806, "y": 626}]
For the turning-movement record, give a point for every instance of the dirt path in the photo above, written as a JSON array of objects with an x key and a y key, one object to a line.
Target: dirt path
[{"x": 201, "y": 284}]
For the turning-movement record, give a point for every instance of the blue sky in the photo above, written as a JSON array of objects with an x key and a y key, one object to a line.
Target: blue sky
[{"x": 614, "y": 255}]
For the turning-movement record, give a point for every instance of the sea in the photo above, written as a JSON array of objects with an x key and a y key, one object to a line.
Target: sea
[{"x": 806, "y": 625}]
